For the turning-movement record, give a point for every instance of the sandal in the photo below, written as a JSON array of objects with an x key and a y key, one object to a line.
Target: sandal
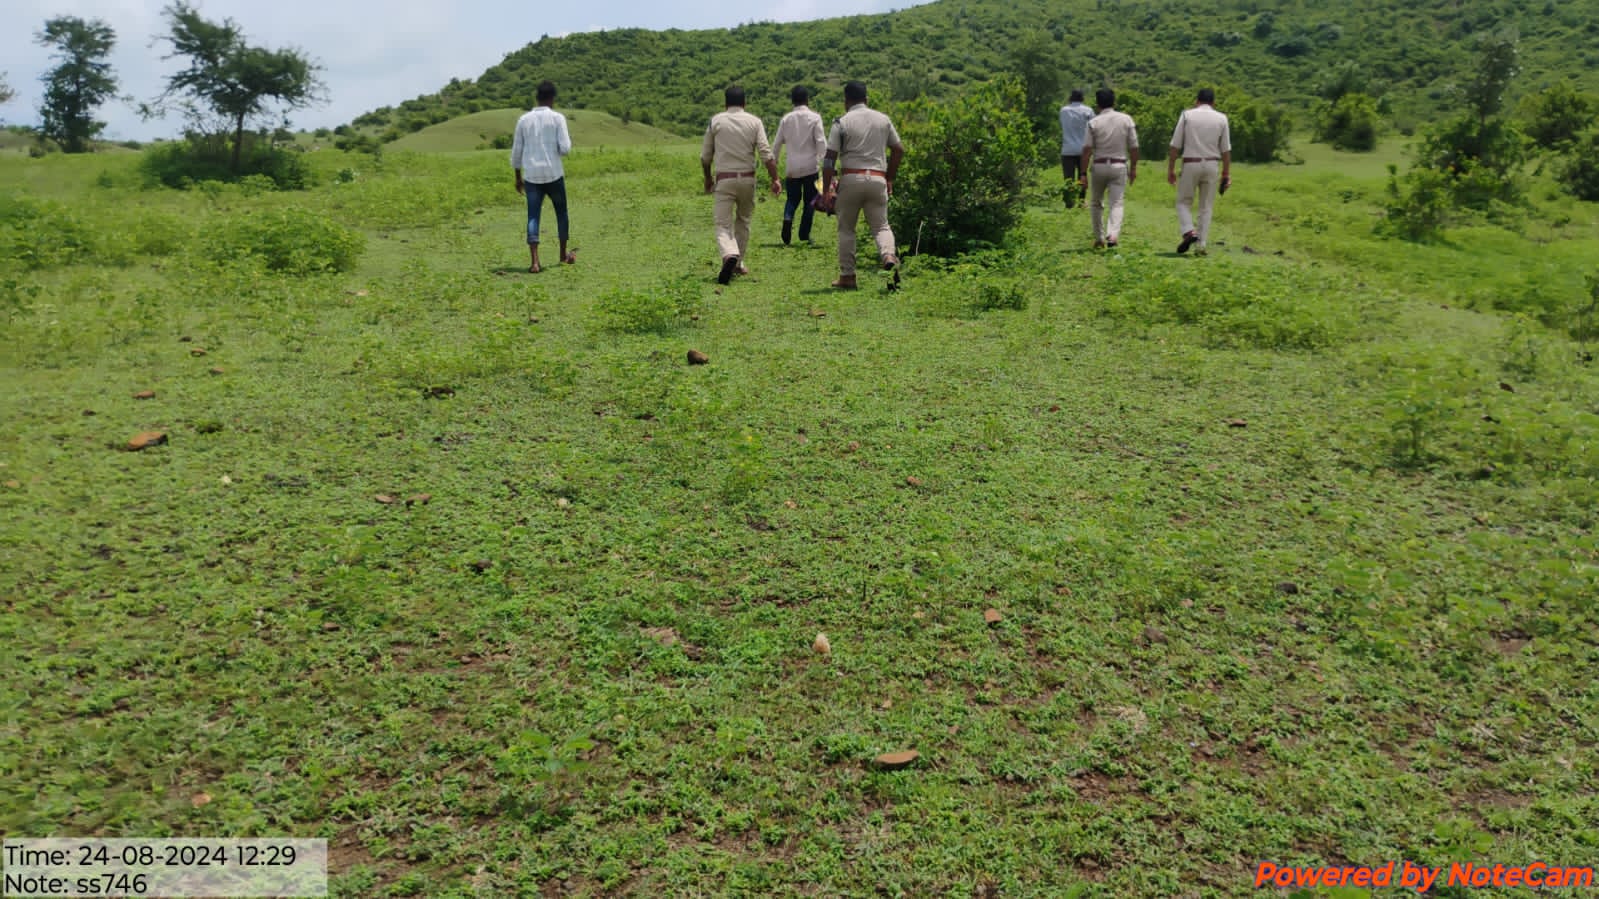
[{"x": 570, "y": 258}]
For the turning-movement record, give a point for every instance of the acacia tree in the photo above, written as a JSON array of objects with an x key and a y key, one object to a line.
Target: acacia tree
[
  {"x": 81, "y": 82},
  {"x": 6, "y": 93},
  {"x": 231, "y": 78}
]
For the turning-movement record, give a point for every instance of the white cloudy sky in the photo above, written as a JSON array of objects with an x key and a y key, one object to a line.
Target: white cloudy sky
[{"x": 373, "y": 53}]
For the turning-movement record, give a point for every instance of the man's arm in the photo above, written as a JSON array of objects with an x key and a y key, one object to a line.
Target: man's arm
[
  {"x": 829, "y": 160},
  {"x": 1227, "y": 167},
  {"x": 707, "y": 150},
  {"x": 516, "y": 155},
  {"x": 1132, "y": 163},
  {"x": 563, "y": 138},
  {"x": 895, "y": 154},
  {"x": 1171, "y": 164},
  {"x": 818, "y": 138}
]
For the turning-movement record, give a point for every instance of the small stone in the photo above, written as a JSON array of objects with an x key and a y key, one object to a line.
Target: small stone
[
  {"x": 562, "y": 502},
  {"x": 1054, "y": 408},
  {"x": 227, "y": 481},
  {"x": 217, "y": 371},
  {"x": 147, "y": 439},
  {"x": 185, "y": 339},
  {"x": 1506, "y": 387},
  {"x": 419, "y": 499},
  {"x": 1153, "y": 634},
  {"x": 918, "y": 615},
  {"x": 14, "y": 485},
  {"x": 385, "y": 499},
  {"x": 197, "y": 351},
  {"x": 1288, "y": 588},
  {"x": 199, "y": 800},
  {"x": 913, "y": 481},
  {"x": 88, "y": 412},
  {"x": 330, "y": 626},
  {"x": 886, "y": 704},
  {"x": 1237, "y": 423},
  {"x": 853, "y": 446},
  {"x": 144, "y": 395},
  {"x": 822, "y": 645},
  {"x": 440, "y": 391},
  {"x": 894, "y": 761},
  {"x": 483, "y": 565},
  {"x": 790, "y": 504},
  {"x": 695, "y": 357},
  {"x": 992, "y": 616},
  {"x": 817, "y": 313}
]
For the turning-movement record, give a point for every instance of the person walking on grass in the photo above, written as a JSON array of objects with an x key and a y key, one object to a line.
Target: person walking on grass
[
  {"x": 1074, "y": 118},
  {"x": 801, "y": 130},
  {"x": 1110, "y": 152},
  {"x": 865, "y": 149},
  {"x": 1201, "y": 140},
  {"x": 536, "y": 150},
  {"x": 734, "y": 140}
]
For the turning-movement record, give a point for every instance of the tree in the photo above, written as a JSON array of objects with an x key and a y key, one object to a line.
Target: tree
[
  {"x": 1497, "y": 65},
  {"x": 1035, "y": 65},
  {"x": 81, "y": 82},
  {"x": 231, "y": 78},
  {"x": 6, "y": 93},
  {"x": 1349, "y": 123}
]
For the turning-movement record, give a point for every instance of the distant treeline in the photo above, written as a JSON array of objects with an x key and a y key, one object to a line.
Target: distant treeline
[{"x": 1410, "y": 52}]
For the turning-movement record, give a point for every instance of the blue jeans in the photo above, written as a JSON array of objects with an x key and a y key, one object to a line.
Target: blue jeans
[
  {"x": 801, "y": 191},
  {"x": 556, "y": 191}
]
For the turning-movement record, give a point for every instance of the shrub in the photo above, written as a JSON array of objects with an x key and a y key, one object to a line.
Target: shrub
[
  {"x": 290, "y": 240},
  {"x": 1556, "y": 116},
  {"x": 966, "y": 164},
  {"x": 1579, "y": 174},
  {"x": 1349, "y": 123},
  {"x": 1418, "y": 205},
  {"x": 197, "y": 158}
]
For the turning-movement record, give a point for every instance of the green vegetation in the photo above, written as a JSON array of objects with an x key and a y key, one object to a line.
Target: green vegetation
[
  {"x": 1415, "y": 54},
  {"x": 80, "y": 82},
  {"x": 230, "y": 79},
  {"x": 480, "y": 130},
  {"x": 468, "y": 572},
  {"x": 6, "y": 93}
]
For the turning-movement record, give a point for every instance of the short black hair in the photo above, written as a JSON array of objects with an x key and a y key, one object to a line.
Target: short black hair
[
  {"x": 545, "y": 92},
  {"x": 854, "y": 91},
  {"x": 1077, "y": 96},
  {"x": 1105, "y": 98},
  {"x": 1206, "y": 95},
  {"x": 799, "y": 95},
  {"x": 734, "y": 95}
]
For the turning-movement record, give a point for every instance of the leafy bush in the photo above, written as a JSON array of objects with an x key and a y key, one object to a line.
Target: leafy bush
[
  {"x": 1579, "y": 174},
  {"x": 196, "y": 158},
  {"x": 966, "y": 164},
  {"x": 1556, "y": 116},
  {"x": 1349, "y": 123},
  {"x": 36, "y": 235},
  {"x": 1480, "y": 155},
  {"x": 1419, "y": 204},
  {"x": 288, "y": 240},
  {"x": 670, "y": 306}
]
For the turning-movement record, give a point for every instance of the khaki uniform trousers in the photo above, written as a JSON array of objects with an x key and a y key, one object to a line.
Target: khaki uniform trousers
[
  {"x": 1107, "y": 178},
  {"x": 735, "y": 207},
  {"x": 857, "y": 194},
  {"x": 1197, "y": 181}
]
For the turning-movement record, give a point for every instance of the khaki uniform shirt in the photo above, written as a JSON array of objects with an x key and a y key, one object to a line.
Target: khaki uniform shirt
[
  {"x": 1111, "y": 135},
  {"x": 734, "y": 140},
  {"x": 861, "y": 137},
  {"x": 1202, "y": 133}
]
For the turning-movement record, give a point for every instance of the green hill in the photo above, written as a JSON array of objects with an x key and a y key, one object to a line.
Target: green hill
[
  {"x": 1410, "y": 52},
  {"x": 590, "y": 128}
]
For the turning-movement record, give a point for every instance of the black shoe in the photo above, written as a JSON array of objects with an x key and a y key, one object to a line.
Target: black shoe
[
  {"x": 788, "y": 231},
  {"x": 1189, "y": 240},
  {"x": 1111, "y": 244},
  {"x": 729, "y": 268}
]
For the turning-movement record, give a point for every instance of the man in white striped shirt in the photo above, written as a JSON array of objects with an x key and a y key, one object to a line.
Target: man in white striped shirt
[
  {"x": 801, "y": 130},
  {"x": 536, "y": 150}
]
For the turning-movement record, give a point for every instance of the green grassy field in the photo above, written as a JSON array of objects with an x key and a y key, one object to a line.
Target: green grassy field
[
  {"x": 589, "y": 127},
  {"x": 1291, "y": 548}
]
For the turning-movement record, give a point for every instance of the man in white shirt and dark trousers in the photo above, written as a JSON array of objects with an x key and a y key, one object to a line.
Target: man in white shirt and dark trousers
[
  {"x": 536, "y": 150},
  {"x": 801, "y": 130},
  {"x": 1202, "y": 139},
  {"x": 1074, "y": 118}
]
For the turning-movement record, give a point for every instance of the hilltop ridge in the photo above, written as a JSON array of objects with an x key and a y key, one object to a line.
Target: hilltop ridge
[{"x": 1411, "y": 53}]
